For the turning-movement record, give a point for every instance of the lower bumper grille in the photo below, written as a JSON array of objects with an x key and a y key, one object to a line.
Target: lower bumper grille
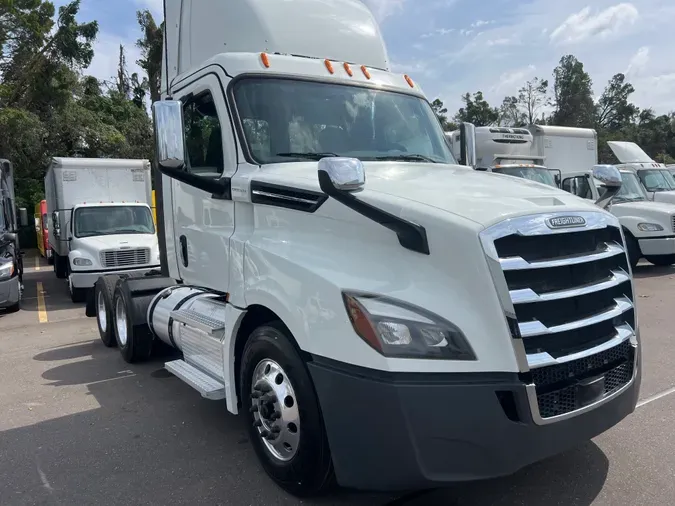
[{"x": 563, "y": 388}]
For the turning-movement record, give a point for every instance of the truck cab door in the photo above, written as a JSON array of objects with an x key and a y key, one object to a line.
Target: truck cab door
[{"x": 202, "y": 223}]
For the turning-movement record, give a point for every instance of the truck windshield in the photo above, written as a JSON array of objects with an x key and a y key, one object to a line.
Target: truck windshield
[
  {"x": 657, "y": 180},
  {"x": 540, "y": 175},
  {"x": 288, "y": 120},
  {"x": 631, "y": 189},
  {"x": 111, "y": 220}
]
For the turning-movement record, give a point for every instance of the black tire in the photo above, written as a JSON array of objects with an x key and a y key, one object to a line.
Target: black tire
[
  {"x": 60, "y": 266},
  {"x": 633, "y": 249},
  {"x": 138, "y": 344},
  {"x": 661, "y": 260},
  {"x": 14, "y": 308},
  {"x": 50, "y": 260},
  {"x": 310, "y": 471},
  {"x": 105, "y": 289}
]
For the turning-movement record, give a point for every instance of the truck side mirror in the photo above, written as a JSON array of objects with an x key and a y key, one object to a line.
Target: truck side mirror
[
  {"x": 344, "y": 174},
  {"x": 7, "y": 238},
  {"x": 467, "y": 141},
  {"x": 23, "y": 217},
  {"x": 610, "y": 180},
  {"x": 56, "y": 223},
  {"x": 169, "y": 134}
]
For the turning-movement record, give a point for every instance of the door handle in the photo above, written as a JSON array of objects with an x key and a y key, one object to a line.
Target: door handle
[{"x": 184, "y": 250}]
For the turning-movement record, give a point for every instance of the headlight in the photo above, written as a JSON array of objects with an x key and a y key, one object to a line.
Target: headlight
[
  {"x": 81, "y": 262},
  {"x": 397, "y": 329},
  {"x": 6, "y": 270},
  {"x": 649, "y": 227}
]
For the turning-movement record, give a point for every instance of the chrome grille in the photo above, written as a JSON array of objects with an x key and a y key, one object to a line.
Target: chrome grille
[
  {"x": 125, "y": 257},
  {"x": 672, "y": 220},
  {"x": 568, "y": 298}
]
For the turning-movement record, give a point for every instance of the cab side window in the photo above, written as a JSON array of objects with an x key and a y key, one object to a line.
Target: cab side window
[
  {"x": 578, "y": 186},
  {"x": 203, "y": 140}
]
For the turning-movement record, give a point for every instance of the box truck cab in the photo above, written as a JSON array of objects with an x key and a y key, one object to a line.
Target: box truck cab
[
  {"x": 507, "y": 151},
  {"x": 657, "y": 180},
  {"x": 11, "y": 261},
  {"x": 100, "y": 220},
  {"x": 648, "y": 226},
  {"x": 42, "y": 231},
  {"x": 335, "y": 276}
]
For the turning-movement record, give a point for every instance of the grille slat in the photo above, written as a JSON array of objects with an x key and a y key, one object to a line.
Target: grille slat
[
  {"x": 125, "y": 258},
  {"x": 573, "y": 302}
]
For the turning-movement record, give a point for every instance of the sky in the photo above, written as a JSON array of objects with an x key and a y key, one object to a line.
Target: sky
[{"x": 451, "y": 47}]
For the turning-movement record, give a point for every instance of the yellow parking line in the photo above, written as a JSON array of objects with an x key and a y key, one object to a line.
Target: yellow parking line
[
  {"x": 37, "y": 263},
  {"x": 42, "y": 308}
]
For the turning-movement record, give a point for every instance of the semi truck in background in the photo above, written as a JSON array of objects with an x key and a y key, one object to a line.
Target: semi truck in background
[
  {"x": 649, "y": 227},
  {"x": 99, "y": 219},
  {"x": 655, "y": 177},
  {"x": 507, "y": 151},
  {"x": 326, "y": 265},
  {"x": 42, "y": 231},
  {"x": 11, "y": 257}
]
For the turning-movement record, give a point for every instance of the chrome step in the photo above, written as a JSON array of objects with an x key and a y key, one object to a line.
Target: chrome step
[
  {"x": 198, "y": 321},
  {"x": 209, "y": 387}
]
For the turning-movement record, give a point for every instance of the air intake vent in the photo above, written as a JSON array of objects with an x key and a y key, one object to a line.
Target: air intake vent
[
  {"x": 125, "y": 257},
  {"x": 284, "y": 196}
]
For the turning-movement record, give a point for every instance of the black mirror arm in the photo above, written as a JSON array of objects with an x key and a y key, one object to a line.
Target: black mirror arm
[{"x": 219, "y": 188}]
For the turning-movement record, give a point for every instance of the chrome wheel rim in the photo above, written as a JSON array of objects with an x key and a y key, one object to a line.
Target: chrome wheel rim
[
  {"x": 121, "y": 321},
  {"x": 275, "y": 410},
  {"x": 102, "y": 316}
]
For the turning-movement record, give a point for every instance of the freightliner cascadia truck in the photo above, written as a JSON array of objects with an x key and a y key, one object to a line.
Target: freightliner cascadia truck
[{"x": 382, "y": 316}]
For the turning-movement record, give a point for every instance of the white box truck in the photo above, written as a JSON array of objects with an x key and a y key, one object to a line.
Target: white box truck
[
  {"x": 379, "y": 314},
  {"x": 649, "y": 227},
  {"x": 99, "y": 219}
]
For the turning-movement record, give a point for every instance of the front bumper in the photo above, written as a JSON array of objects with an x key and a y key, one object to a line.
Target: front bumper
[
  {"x": 390, "y": 431},
  {"x": 657, "y": 246},
  {"x": 87, "y": 279},
  {"x": 9, "y": 292}
]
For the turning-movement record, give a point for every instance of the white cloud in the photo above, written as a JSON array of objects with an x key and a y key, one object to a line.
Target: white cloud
[
  {"x": 437, "y": 32},
  {"x": 583, "y": 25},
  {"x": 638, "y": 62},
  {"x": 381, "y": 8},
  {"x": 509, "y": 82},
  {"x": 480, "y": 22}
]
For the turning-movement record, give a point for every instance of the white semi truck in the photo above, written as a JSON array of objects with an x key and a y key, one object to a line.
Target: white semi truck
[
  {"x": 655, "y": 177},
  {"x": 649, "y": 227},
  {"x": 99, "y": 219},
  {"x": 379, "y": 314},
  {"x": 11, "y": 260}
]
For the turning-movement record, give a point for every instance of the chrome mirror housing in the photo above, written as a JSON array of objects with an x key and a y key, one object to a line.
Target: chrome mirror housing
[
  {"x": 344, "y": 174},
  {"x": 609, "y": 178},
  {"x": 169, "y": 133},
  {"x": 467, "y": 140}
]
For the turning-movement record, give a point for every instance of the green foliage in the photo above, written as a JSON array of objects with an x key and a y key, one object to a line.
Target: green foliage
[
  {"x": 49, "y": 107},
  {"x": 477, "y": 110},
  {"x": 441, "y": 113}
]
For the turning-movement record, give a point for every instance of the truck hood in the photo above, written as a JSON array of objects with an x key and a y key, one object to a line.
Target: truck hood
[
  {"x": 665, "y": 197},
  {"x": 104, "y": 242},
  {"x": 643, "y": 209},
  {"x": 629, "y": 152},
  {"x": 482, "y": 197}
]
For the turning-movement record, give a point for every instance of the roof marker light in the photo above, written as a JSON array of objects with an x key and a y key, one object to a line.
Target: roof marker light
[
  {"x": 265, "y": 60},
  {"x": 409, "y": 81},
  {"x": 329, "y": 66},
  {"x": 365, "y": 71},
  {"x": 348, "y": 69}
]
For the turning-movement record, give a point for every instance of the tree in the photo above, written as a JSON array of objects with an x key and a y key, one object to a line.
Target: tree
[
  {"x": 532, "y": 97},
  {"x": 477, "y": 110},
  {"x": 151, "y": 51},
  {"x": 510, "y": 113},
  {"x": 573, "y": 94},
  {"x": 442, "y": 114},
  {"x": 613, "y": 111}
]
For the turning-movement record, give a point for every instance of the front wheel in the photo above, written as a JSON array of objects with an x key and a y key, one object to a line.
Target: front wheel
[
  {"x": 104, "y": 291},
  {"x": 284, "y": 420},
  {"x": 632, "y": 249},
  {"x": 76, "y": 294},
  {"x": 135, "y": 343},
  {"x": 661, "y": 260}
]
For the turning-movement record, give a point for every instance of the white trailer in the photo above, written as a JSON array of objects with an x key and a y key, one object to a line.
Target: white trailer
[
  {"x": 99, "y": 219},
  {"x": 649, "y": 227},
  {"x": 377, "y": 313}
]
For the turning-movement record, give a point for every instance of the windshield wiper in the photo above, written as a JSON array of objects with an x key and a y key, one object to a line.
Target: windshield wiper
[
  {"x": 309, "y": 155},
  {"x": 408, "y": 157}
]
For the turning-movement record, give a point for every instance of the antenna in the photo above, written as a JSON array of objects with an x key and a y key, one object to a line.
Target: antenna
[{"x": 166, "y": 49}]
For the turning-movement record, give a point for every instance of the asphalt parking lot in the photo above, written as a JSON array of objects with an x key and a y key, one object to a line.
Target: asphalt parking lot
[{"x": 78, "y": 425}]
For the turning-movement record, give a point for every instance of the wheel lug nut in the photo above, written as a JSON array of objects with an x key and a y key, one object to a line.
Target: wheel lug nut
[
  {"x": 255, "y": 395},
  {"x": 257, "y": 423},
  {"x": 276, "y": 429},
  {"x": 254, "y": 408},
  {"x": 265, "y": 433}
]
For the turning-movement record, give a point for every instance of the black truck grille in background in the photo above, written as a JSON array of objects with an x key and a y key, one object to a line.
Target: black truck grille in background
[
  {"x": 571, "y": 292},
  {"x": 125, "y": 257}
]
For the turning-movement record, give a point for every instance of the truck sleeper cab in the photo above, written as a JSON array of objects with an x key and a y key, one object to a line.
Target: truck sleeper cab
[
  {"x": 326, "y": 265},
  {"x": 11, "y": 259}
]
